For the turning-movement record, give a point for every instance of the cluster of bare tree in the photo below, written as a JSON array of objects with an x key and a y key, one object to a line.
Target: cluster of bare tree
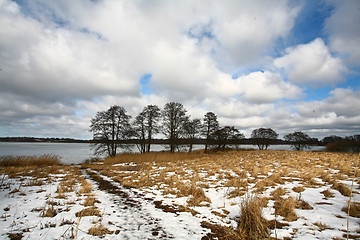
[
  {"x": 113, "y": 130},
  {"x": 335, "y": 143}
]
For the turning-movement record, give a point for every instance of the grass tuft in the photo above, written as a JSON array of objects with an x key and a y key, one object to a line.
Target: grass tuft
[
  {"x": 48, "y": 212},
  {"x": 354, "y": 209},
  {"x": 342, "y": 188},
  {"x": 99, "y": 230},
  {"x": 91, "y": 211},
  {"x": 251, "y": 221},
  {"x": 285, "y": 208}
]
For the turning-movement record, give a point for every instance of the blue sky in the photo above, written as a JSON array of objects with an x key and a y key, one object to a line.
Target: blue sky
[{"x": 287, "y": 65}]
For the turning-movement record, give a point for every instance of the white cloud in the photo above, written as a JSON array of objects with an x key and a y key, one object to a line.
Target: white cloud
[
  {"x": 341, "y": 103},
  {"x": 266, "y": 87},
  {"x": 63, "y": 61},
  {"x": 343, "y": 29},
  {"x": 312, "y": 64}
]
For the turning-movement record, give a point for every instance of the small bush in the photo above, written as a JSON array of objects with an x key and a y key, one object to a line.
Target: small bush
[{"x": 251, "y": 221}]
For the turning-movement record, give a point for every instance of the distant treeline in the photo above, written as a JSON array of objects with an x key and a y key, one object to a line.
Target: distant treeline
[
  {"x": 34, "y": 139},
  {"x": 339, "y": 144},
  {"x": 244, "y": 141}
]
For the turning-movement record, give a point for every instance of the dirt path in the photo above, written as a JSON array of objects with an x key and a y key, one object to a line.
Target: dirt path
[{"x": 129, "y": 206}]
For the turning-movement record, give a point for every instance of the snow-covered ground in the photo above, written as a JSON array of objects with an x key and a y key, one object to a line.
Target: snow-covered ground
[{"x": 152, "y": 200}]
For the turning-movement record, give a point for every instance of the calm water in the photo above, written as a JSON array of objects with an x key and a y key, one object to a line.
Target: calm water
[
  {"x": 79, "y": 152},
  {"x": 68, "y": 152}
]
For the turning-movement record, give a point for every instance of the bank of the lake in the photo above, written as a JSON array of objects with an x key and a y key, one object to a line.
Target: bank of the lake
[{"x": 74, "y": 153}]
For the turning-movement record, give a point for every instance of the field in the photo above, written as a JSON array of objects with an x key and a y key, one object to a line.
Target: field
[{"x": 244, "y": 194}]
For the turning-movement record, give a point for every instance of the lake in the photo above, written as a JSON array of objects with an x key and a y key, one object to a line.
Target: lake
[{"x": 74, "y": 153}]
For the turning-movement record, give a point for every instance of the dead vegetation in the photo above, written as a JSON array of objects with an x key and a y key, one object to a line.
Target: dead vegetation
[
  {"x": 251, "y": 221},
  {"x": 99, "y": 230},
  {"x": 192, "y": 175},
  {"x": 22, "y": 161}
]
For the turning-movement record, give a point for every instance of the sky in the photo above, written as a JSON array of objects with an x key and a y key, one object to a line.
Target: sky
[{"x": 286, "y": 65}]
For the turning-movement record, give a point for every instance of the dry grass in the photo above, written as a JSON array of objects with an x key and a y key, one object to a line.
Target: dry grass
[
  {"x": 298, "y": 189},
  {"x": 342, "y": 188},
  {"x": 86, "y": 187},
  {"x": 90, "y": 201},
  {"x": 48, "y": 212},
  {"x": 21, "y": 161},
  {"x": 302, "y": 204},
  {"x": 99, "y": 230},
  {"x": 91, "y": 211},
  {"x": 182, "y": 174},
  {"x": 327, "y": 193},
  {"x": 354, "y": 209},
  {"x": 321, "y": 226},
  {"x": 285, "y": 208},
  {"x": 277, "y": 193},
  {"x": 153, "y": 157},
  {"x": 251, "y": 221}
]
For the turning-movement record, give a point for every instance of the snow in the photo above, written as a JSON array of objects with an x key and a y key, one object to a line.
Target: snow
[{"x": 132, "y": 213}]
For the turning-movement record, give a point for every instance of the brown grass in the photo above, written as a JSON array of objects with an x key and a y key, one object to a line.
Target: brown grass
[
  {"x": 342, "y": 188},
  {"x": 298, "y": 189},
  {"x": 90, "y": 201},
  {"x": 327, "y": 193},
  {"x": 86, "y": 187},
  {"x": 153, "y": 157},
  {"x": 302, "y": 204},
  {"x": 251, "y": 222},
  {"x": 21, "y": 161},
  {"x": 48, "y": 212},
  {"x": 285, "y": 208},
  {"x": 99, "y": 230},
  {"x": 277, "y": 193},
  {"x": 321, "y": 226},
  {"x": 354, "y": 209},
  {"x": 91, "y": 211}
]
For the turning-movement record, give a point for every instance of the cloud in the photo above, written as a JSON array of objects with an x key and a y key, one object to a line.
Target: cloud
[
  {"x": 343, "y": 29},
  {"x": 312, "y": 64},
  {"x": 61, "y": 61},
  {"x": 266, "y": 87}
]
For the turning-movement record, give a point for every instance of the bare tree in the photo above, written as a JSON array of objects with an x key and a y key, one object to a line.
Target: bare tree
[
  {"x": 139, "y": 127},
  {"x": 146, "y": 124},
  {"x": 152, "y": 116},
  {"x": 174, "y": 115},
  {"x": 298, "y": 140},
  {"x": 210, "y": 126},
  {"x": 263, "y": 137},
  {"x": 111, "y": 129},
  {"x": 192, "y": 130},
  {"x": 226, "y": 136}
]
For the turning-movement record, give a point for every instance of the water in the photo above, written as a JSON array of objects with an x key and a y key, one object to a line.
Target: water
[
  {"x": 74, "y": 153},
  {"x": 68, "y": 152}
]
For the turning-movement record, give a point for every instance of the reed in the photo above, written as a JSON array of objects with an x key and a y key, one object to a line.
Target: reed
[{"x": 21, "y": 161}]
